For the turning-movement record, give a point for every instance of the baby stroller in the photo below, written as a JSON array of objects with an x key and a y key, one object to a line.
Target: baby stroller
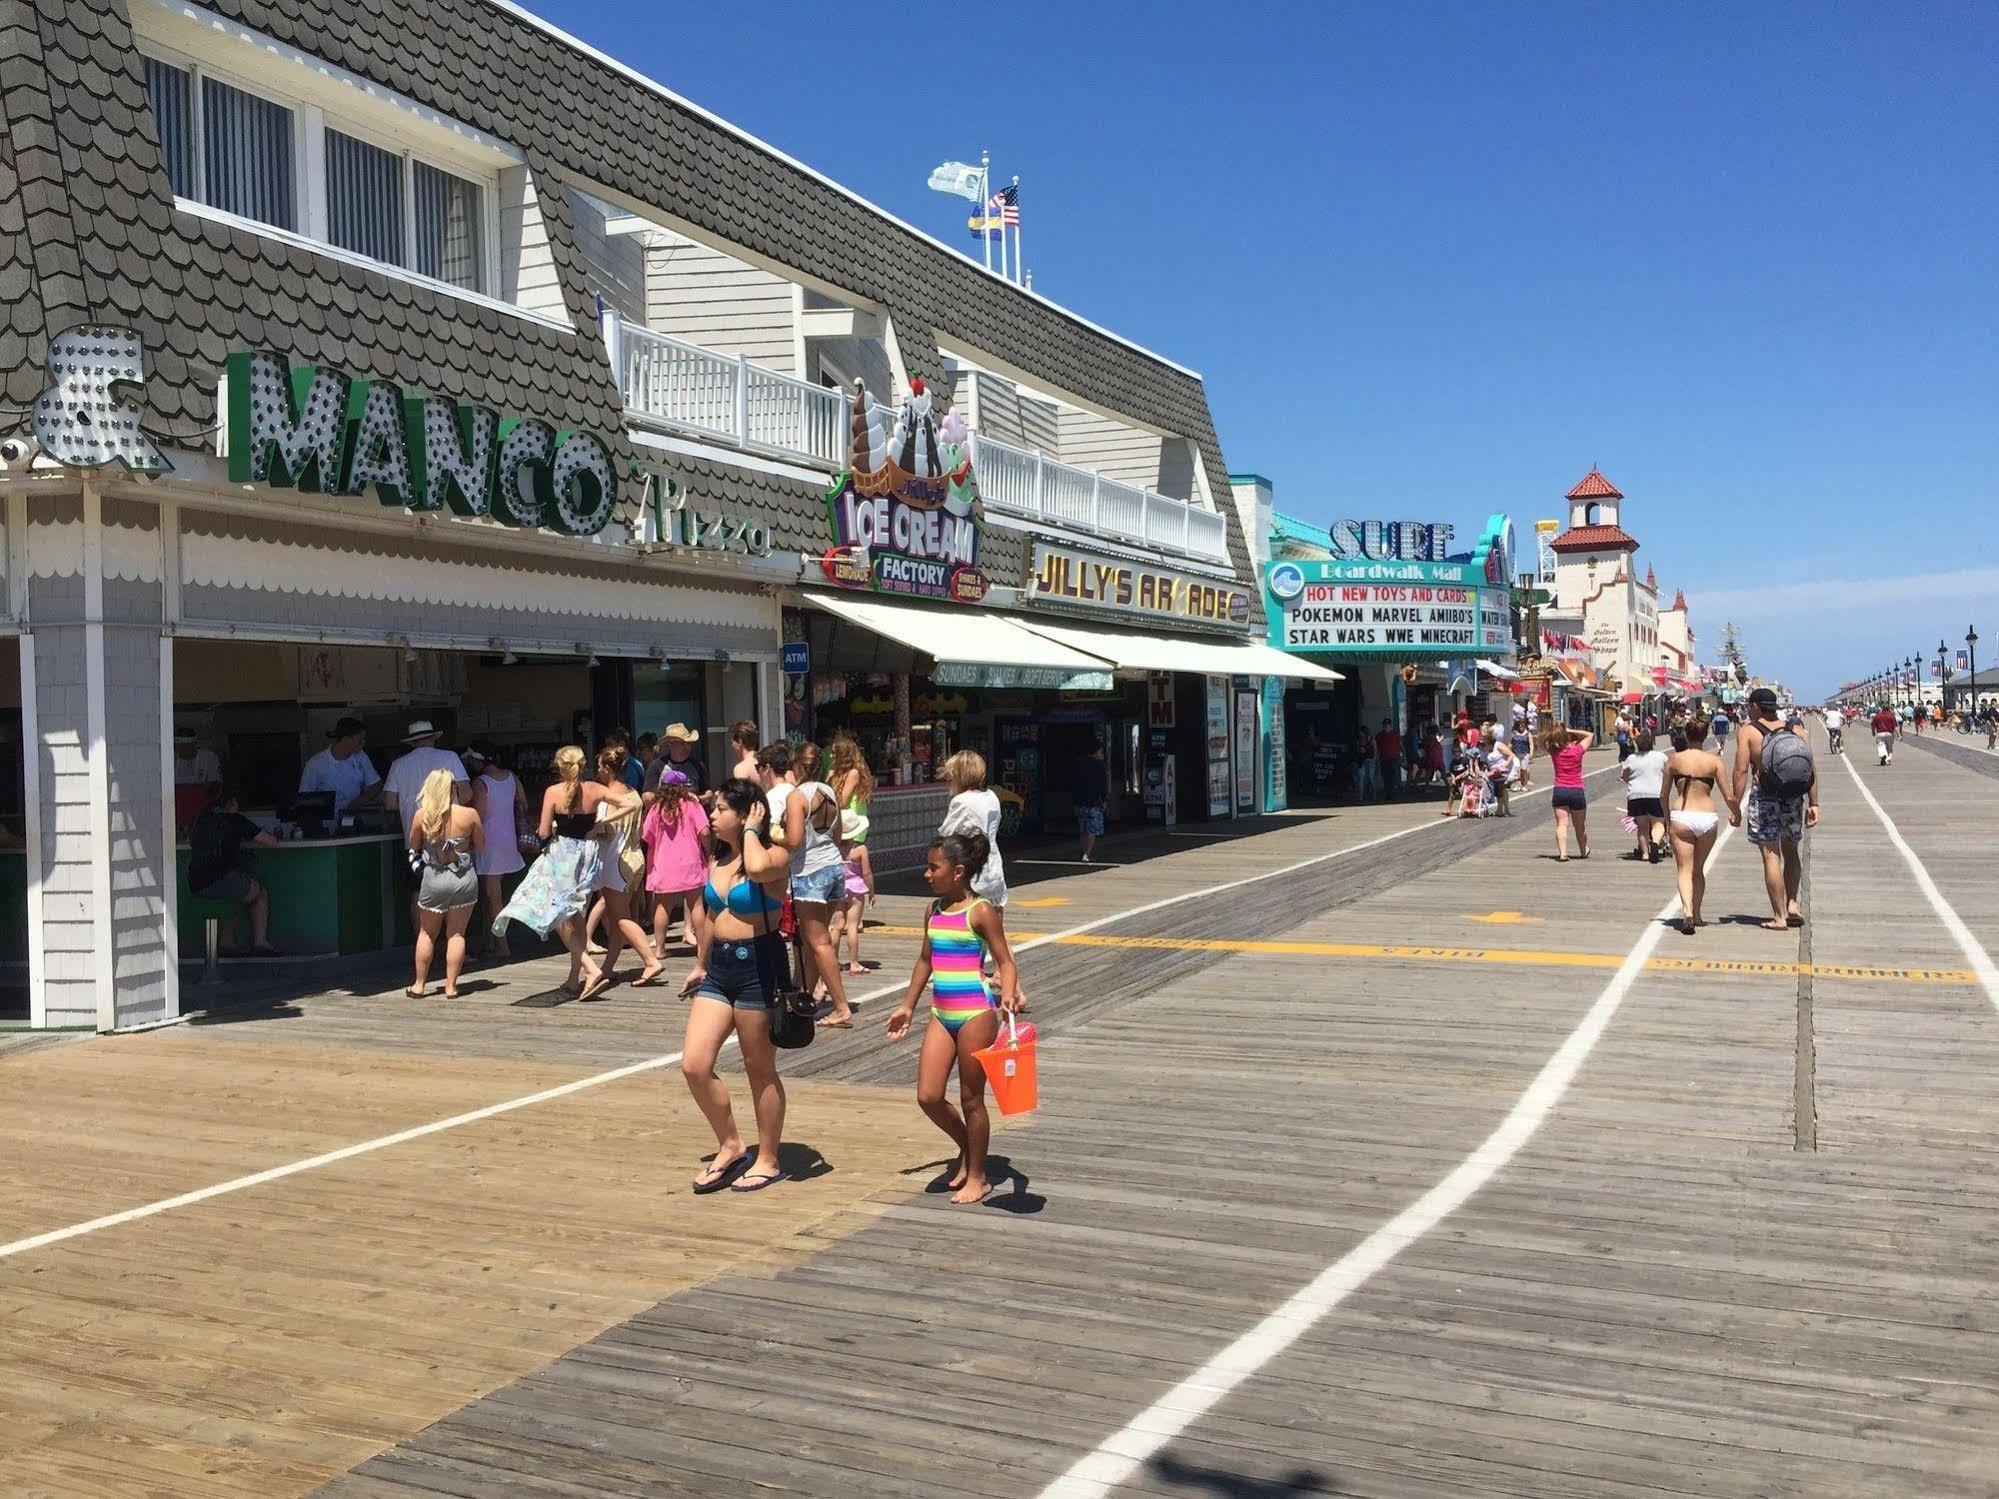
[{"x": 1475, "y": 794}]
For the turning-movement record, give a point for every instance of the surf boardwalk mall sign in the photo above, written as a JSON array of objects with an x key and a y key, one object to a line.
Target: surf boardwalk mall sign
[{"x": 1402, "y": 611}]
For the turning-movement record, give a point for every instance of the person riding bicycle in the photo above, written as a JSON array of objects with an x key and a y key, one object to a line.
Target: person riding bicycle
[{"x": 1835, "y": 726}]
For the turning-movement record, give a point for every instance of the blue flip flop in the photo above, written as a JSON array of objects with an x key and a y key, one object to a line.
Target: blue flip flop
[
  {"x": 730, "y": 1172},
  {"x": 757, "y": 1183}
]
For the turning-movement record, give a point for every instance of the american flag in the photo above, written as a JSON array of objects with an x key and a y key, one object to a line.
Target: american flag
[
  {"x": 1961, "y": 662},
  {"x": 1007, "y": 202}
]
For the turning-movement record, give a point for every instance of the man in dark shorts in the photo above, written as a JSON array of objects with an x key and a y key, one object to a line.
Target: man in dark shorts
[
  {"x": 1388, "y": 751},
  {"x": 1091, "y": 788},
  {"x": 220, "y": 869},
  {"x": 1776, "y": 824}
]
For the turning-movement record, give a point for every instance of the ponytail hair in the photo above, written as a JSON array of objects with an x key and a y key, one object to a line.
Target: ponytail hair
[
  {"x": 970, "y": 849},
  {"x": 568, "y": 765},
  {"x": 433, "y": 804}
]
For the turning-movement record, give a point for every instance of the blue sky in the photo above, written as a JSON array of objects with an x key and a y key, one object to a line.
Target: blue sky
[{"x": 1436, "y": 260}]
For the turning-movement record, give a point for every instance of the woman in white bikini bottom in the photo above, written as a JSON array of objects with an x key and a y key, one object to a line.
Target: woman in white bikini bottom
[{"x": 1693, "y": 775}]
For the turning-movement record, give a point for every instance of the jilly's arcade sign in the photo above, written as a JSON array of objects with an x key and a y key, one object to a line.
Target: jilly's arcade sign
[
  {"x": 1073, "y": 577},
  {"x": 326, "y": 432}
]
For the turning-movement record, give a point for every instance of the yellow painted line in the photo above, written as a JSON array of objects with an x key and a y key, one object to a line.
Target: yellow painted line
[
  {"x": 1503, "y": 956},
  {"x": 1503, "y": 918},
  {"x": 1046, "y": 900}
]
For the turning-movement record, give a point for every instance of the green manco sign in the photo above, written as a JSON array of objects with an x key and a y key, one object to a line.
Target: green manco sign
[{"x": 326, "y": 432}]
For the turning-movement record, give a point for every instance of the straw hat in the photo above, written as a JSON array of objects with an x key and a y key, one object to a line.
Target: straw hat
[
  {"x": 681, "y": 734},
  {"x": 421, "y": 731}
]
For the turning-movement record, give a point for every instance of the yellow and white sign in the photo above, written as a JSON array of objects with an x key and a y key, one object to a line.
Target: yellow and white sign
[{"x": 1073, "y": 577}]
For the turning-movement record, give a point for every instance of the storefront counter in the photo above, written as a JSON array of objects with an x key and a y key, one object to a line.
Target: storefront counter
[
  {"x": 328, "y": 895},
  {"x": 901, "y": 822}
]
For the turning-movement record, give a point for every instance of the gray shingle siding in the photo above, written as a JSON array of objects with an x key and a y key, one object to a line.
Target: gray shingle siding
[{"x": 79, "y": 170}]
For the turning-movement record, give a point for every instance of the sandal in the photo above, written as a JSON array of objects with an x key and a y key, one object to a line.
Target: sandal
[
  {"x": 756, "y": 1183},
  {"x": 721, "y": 1173}
]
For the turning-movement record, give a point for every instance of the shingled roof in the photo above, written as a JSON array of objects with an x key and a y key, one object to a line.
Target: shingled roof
[
  {"x": 1593, "y": 486},
  {"x": 1595, "y": 539},
  {"x": 89, "y": 231}
]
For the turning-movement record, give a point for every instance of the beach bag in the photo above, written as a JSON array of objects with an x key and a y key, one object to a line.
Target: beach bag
[
  {"x": 794, "y": 1017},
  {"x": 1009, "y": 1064},
  {"x": 1784, "y": 770}
]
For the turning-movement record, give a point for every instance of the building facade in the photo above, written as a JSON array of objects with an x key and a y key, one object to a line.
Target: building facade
[{"x": 423, "y": 362}]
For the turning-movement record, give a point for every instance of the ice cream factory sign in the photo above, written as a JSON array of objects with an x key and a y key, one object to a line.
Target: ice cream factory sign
[{"x": 904, "y": 516}]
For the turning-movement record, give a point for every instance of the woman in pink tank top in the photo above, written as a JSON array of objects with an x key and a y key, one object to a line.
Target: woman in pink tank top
[{"x": 1566, "y": 748}]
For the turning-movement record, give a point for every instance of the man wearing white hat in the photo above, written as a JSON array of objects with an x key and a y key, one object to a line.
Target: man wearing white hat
[
  {"x": 404, "y": 784},
  {"x": 406, "y": 777}
]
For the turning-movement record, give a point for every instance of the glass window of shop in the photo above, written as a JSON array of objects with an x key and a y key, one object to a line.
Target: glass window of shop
[{"x": 13, "y": 849}]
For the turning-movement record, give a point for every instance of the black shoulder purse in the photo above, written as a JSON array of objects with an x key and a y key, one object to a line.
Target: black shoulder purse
[{"x": 794, "y": 1016}]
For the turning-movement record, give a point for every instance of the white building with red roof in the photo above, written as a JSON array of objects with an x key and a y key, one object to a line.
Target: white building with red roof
[{"x": 1600, "y": 597}]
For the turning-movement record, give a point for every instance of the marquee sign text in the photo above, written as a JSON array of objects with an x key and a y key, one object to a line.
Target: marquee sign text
[{"x": 1073, "y": 577}]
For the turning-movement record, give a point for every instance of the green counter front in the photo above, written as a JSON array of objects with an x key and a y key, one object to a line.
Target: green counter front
[{"x": 328, "y": 895}]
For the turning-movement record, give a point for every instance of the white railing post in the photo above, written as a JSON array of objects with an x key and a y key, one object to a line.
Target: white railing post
[
  {"x": 611, "y": 326},
  {"x": 742, "y": 400},
  {"x": 1040, "y": 493},
  {"x": 1097, "y": 503},
  {"x": 1186, "y": 528}
]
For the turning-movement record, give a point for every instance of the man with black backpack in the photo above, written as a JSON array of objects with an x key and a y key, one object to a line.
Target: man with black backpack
[{"x": 1778, "y": 784}]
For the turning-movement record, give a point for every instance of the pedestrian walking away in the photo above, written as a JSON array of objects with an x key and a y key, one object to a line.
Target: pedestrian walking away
[
  {"x": 502, "y": 804},
  {"x": 1644, "y": 777},
  {"x": 444, "y": 839},
  {"x": 1694, "y": 775},
  {"x": 621, "y": 871},
  {"x": 1388, "y": 754},
  {"x": 1565, "y": 749},
  {"x": 961, "y": 929},
  {"x": 1777, "y": 785},
  {"x": 809, "y": 814},
  {"x": 740, "y": 968}
]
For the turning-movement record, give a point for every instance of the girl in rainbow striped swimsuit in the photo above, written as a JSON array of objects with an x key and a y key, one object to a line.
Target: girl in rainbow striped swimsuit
[{"x": 959, "y": 931}]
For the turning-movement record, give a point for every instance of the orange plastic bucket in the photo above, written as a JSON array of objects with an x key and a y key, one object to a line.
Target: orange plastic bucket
[{"x": 1009, "y": 1064}]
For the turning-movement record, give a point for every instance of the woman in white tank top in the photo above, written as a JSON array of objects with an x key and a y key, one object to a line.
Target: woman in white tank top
[{"x": 501, "y": 803}]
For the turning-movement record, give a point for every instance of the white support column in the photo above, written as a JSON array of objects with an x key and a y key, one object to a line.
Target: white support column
[
  {"x": 742, "y": 400},
  {"x": 31, "y": 834},
  {"x": 169, "y": 832},
  {"x": 97, "y": 756}
]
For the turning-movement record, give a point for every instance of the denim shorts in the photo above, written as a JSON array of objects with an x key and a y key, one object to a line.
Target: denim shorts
[
  {"x": 1090, "y": 820},
  {"x": 746, "y": 975},
  {"x": 822, "y": 885}
]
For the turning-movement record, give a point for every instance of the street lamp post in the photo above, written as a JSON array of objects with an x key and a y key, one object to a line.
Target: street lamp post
[
  {"x": 1971, "y": 659},
  {"x": 1943, "y": 679},
  {"x": 1909, "y": 680}
]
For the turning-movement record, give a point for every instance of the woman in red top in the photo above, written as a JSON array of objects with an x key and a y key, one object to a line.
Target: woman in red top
[{"x": 1566, "y": 748}]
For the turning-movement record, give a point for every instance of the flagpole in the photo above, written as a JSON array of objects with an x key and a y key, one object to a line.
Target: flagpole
[
  {"x": 1004, "y": 271},
  {"x": 1019, "y": 260},
  {"x": 985, "y": 192}
]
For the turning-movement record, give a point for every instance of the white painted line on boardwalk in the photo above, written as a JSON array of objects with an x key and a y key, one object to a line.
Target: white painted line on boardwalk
[
  {"x": 616, "y": 1074},
  {"x": 1118, "y": 1457},
  {"x": 1973, "y": 950}
]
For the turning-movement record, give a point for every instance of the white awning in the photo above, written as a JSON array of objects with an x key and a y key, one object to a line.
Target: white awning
[
  {"x": 972, "y": 647},
  {"x": 1137, "y": 651},
  {"x": 1494, "y": 669}
]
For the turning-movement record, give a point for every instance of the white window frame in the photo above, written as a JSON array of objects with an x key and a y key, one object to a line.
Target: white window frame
[{"x": 309, "y": 207}]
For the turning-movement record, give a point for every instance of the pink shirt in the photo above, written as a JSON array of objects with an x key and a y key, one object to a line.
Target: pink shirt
[
  {"x": 1568, "y": 764},
  {"x": 676, "y": 856}
]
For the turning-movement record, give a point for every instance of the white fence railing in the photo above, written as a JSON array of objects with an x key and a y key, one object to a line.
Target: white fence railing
[
  {"x": 748, "y": 406},
  {"x": 729, "y": 398},
  {"x": 1031, "y": 484}
]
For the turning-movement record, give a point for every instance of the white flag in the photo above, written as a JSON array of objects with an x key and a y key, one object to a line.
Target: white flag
[{"x": 956, "y": 177}]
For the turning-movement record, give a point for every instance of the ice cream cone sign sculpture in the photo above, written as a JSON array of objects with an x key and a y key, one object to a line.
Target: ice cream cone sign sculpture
[{"x": 909, "y": 497}]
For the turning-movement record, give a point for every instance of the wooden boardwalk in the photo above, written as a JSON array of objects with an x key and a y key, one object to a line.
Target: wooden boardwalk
[{"x": 1748, "y": 1253}]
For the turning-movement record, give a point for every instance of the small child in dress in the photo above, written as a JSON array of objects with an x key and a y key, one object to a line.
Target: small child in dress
[
  {"x": 960, "y": 930},
  {"x": 849, "y": 914}
]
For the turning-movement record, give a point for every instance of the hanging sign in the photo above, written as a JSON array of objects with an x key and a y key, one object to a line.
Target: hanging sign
[
  {"x": 907, "y": 504},
  {"x": 1064, "y": 575},
  {"x": 1403, "y": 610},
  {"x": 322, "y": 431},
  {"x": 1391, "y": 540}
]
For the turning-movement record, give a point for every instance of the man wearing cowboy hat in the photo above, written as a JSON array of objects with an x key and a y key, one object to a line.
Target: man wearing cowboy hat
[
  {"x": 676, "y": 752},
  {"x": 406, "y": 777}
]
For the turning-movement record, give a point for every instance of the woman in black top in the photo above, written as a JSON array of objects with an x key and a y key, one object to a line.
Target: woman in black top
[{"x": 219, "y": 869}]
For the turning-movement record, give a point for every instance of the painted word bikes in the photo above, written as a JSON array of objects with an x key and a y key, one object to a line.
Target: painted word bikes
[{"x": 327, "y": 432}]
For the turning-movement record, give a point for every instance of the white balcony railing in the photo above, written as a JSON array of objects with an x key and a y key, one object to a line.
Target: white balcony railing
[
  {"x": 747, "y": 406},
  {"x": 718, "y": 396},
  {"x": 1019, "y": 482}
]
